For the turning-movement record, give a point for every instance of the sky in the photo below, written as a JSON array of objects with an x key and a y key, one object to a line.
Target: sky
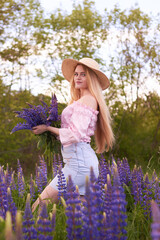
[{"x": 148, "y": 6}]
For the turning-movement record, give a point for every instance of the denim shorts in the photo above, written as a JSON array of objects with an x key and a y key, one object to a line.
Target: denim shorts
[{"x": 78, "y": 158}]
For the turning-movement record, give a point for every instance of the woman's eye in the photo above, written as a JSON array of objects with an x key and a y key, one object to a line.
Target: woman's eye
[{"x": 83, "y": 74}]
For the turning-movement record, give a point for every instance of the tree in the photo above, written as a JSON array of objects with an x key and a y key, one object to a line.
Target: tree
[
  {"x": 20, "y": 20},
  {"x": 135, "y": 54},
  {"x": 74, "y": 35}
]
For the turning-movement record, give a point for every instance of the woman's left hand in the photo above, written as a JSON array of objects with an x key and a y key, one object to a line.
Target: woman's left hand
[{"x": 39, "y": 129}]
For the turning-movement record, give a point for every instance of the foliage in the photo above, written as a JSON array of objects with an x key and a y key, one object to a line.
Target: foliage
[
  {"x": 21, "y": 145},
  {"x": 39, "y": 115},
  {"x": 107, "y": 201}
]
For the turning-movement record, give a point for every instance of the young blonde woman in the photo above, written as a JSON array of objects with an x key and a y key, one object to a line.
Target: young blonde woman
[{"x": 85, "y": 116}]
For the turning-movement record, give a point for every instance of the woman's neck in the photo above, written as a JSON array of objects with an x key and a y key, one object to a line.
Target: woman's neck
[{"x": 84, "y": 92}]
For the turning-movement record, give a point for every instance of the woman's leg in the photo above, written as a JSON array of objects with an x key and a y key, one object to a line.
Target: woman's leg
[{"x": 48, "y": 193}]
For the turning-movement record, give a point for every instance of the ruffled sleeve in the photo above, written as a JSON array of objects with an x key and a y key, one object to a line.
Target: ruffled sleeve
[{"x": 78, "y": 125}]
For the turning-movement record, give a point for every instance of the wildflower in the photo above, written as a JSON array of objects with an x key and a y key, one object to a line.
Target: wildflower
[
  {"x": 137, "y": 185},
  {"x": 19, "y": 234},
  {"x": 118, "y": 214},
  {"x": 8, "y": 227},
  {"x": 147, "y": 196},
  {"x": 41, "y": 175},
  {"x": 44, "y": 225},
  {"x": 20, "y": 180},
  {"x": 3, "y": 195},
  {"x": 73, "y": 211},
  {"x": 29, "y": 232},
  {"x": 153, "y": 179},
  {"x": 103, "y": 171},
  {"x": 32, "y": 187},
  {"x": 7, "y": 176},
  {"x": 13, "y": 184},
  {"x": 124, "y": 171},
  {"x": 90, "y": 214},
  {"x": 11, "y": 205},
  {"x": 37, "y": 115},
  {"x": 61, "y": 183},
  {"x": 108, "y": 197}
]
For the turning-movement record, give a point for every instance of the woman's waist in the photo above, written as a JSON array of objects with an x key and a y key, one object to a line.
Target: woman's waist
[{"x": 75, "y": 145}]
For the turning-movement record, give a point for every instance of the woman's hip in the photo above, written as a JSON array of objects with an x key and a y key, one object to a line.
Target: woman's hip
[{"x": 79, "y": 155}]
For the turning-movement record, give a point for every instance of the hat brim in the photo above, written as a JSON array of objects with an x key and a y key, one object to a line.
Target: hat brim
[{"x": 68, "y": 68}]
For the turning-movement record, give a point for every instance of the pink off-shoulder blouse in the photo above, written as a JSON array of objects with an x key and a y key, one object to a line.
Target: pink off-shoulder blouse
[{"x": 78, "y": 123}]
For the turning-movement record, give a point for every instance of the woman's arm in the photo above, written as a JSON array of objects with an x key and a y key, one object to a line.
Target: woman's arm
[{"x": 43, "y": 128}]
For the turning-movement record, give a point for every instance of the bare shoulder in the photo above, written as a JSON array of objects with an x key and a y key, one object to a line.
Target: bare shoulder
[{"x": 90, "y": 101}]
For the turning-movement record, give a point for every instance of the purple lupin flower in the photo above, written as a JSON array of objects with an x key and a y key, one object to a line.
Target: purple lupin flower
[
  {"x": 61, "y": 183},
  {"x": 73, "y": 212},
  {"x": 155, "y": 226},
  {"x": 153, "y": 179},
  {"x": 95, "y": 187},
  {"x": 7, "y": 176},
  {"x": 21, "y": 126},
  {"x": 124, "y": 171},
  {"x": 90, "y": 214},
  {"x": 118, "y": 215},
  {"x": 13, "y": 184},
  {"x": 103, "y": 171},
  {"x": 37, "y": 115},
  {"x": 147, "y": 196},
  {"x": 20, "y": 180},
  {"x": 11, "y": 205},
  {"x": 108, "y": 197},
  {"x": 127, "y": 170},
  {"x": 32, "y": 187},
  {"x": 53, "y": 109},
  {"x": 43, "y": 171},
  {"x": 18, "y": 231},
  {"x": 44, "y": 225},
  {"x": 29, "y": 231},
  {"x": 137, "y": 185},
  {"x": 8, "y": 227},
  {"x": 121, "y": 171},
  {"x": 38, "y": 180},
  {"x": 3, "y": 195}
]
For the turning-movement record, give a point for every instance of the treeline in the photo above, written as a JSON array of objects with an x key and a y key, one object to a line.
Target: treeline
[{"x": 126, "y": 43}]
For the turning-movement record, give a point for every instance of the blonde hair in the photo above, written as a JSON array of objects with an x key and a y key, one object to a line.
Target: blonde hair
[{"x": 103, "y": 133}]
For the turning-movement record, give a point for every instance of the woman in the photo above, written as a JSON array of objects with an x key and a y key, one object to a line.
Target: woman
[{"x": 86, "y": 115}]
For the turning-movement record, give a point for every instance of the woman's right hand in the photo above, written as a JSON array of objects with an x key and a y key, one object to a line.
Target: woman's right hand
[{"x": 39, "y": 129}]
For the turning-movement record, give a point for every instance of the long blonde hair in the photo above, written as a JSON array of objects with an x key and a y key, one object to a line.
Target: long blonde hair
[{"x": 103, "y": 133}]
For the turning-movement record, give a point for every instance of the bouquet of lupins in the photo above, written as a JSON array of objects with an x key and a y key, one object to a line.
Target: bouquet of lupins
[{"x": 37, "y": 115}]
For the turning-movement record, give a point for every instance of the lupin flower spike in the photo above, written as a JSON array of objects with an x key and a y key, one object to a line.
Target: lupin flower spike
[
  {"x": 8, "y": 227},
  {"x": 19, "y": 234},
  {"x": 28, "y": 222},
  {"x": 63, "y": 202}
]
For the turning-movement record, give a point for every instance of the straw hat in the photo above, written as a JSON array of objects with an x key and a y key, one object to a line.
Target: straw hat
[{"x": 69, "y": 65}]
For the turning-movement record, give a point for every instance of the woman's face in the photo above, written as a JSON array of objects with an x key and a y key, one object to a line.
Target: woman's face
[{"x": 80, "y": 78}]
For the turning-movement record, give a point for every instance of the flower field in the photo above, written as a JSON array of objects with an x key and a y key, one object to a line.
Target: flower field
[{"x": 122, "y": 203}]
